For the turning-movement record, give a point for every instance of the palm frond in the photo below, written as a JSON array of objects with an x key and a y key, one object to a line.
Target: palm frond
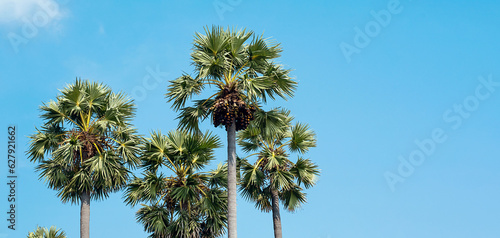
[
  {"x": 53, "y": 113},
  {"x": 214, "y": 207},
  {"x": 209, "y": 54},
  {"x": 293, "y": 198},
  {"x": 190, "y": 117},
  {"x": 305, "y": 171},
  {"x": 155, "y": 219},
  {"x": 281, "y": 83},
  {"x": 144, "y": 190},
  {"x": 182, "y": 89},
  {"x": 108, "y": 174},
  {"x": 155, "y": 152},
  {"x": 255, "y": 87},
  {"x": 128, "y": 145},
  {"x": 262, "y": 50},
  {"x": 218, "y": 176},
  {"x": 272, "y": 123},
  {"x": 281, "y": 180},
  {"x": 302, "y": 138},
  {"x": 45, "y": 141},
  {"x": 55, "y": 174}
]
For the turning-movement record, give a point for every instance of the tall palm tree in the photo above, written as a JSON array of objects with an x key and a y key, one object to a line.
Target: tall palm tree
[
  {"x": 188, "y": 203},
  {"x": 273, "y": 178},
  {"x": 239, "y": 65},
  {"x": 42, "y": 232},
  {"x": 86, "y": 145}
]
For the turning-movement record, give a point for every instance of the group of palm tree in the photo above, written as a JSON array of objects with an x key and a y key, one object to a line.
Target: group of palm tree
[{"x": 88, "y": 147}]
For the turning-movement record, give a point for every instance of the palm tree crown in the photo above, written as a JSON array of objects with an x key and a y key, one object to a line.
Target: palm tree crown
[
  {"x": 42, "y": 232},
  {"x": 273, "y": 177},
  {"x": 240, "y": 66},
  {"x": 188, "y": 203},
  {"x": 86, "y": 145}
]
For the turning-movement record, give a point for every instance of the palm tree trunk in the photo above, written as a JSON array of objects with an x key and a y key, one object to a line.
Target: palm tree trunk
[
  {"x": 276, "y": 213},
  {"x": 231, "y": 181},
  {"x": 85, "y": 215}
]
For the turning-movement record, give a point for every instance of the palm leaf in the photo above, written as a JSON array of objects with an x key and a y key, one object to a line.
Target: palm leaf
[
  {"x": 302, "y": 138},
  {"x": 305, "y": 171},
  {"x": 190, "y": 117},
  {"x": 182, "y": 89}
]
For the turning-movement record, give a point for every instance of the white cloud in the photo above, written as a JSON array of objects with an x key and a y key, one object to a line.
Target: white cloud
[{"x": 12, "y": 11}]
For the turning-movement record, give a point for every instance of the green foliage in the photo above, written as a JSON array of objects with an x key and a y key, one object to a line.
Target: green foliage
[
  {"x": 87, "y": 142},
  {"x": 42, "y": 232},
  {"x": 230, "y": 60},
  {"x": 186, "y": 202},
  {"x": 271, "y": 134}
]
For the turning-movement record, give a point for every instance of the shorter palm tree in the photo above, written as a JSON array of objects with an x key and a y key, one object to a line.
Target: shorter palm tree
[
  {"x": 273, "y": 178},
  {"x": 86, "y": 145},
  {"x": 187, "y": 203},
  {"x": 42, "y": 232}
]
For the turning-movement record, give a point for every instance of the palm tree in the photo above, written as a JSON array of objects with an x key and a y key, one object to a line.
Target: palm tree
[
  {"x": 273, "y": 177},
  {"x": 188, "y": 203},
  {"x": 42, "y": 232},
  {"x": 86, "y": 145},
  {"x": 239, "y": 64}
]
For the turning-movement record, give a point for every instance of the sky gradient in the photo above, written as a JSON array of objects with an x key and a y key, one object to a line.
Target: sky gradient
[{"x": 403, "y": 96}]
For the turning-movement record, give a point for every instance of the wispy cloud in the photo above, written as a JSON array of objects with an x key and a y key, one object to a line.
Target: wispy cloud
[
  {"x": 25, "y": 18},
  {"x": 12, "y": 11},
  {"x": 102, "y": 31}
]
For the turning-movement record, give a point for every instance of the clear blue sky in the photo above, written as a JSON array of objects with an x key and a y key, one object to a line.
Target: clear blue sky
[{"x": 369, "y": 89}]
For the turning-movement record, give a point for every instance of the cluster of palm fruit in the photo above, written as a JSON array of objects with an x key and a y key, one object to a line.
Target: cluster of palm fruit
[
  {"x": 229, "y": 107},
  {"x": 88, "y": 143}
]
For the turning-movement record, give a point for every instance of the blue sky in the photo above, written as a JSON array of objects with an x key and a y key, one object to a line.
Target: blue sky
[{"x": 429, "y": 73}]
